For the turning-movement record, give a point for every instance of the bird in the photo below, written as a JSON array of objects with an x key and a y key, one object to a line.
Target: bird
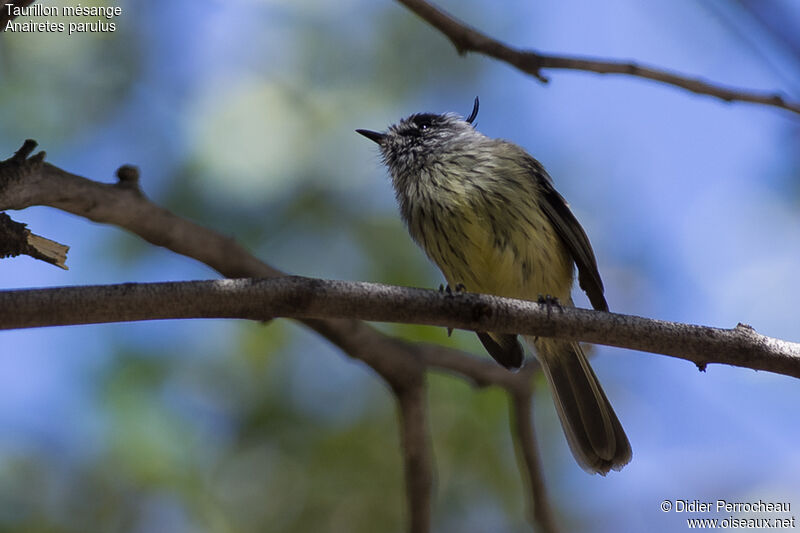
[{"x": 488, "y": 215}]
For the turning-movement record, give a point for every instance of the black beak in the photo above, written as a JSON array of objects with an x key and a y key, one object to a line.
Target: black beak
[{"x": 372, "y": 135}]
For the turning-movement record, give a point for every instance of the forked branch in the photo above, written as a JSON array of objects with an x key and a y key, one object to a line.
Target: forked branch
[{"x": 26, "y": 181}]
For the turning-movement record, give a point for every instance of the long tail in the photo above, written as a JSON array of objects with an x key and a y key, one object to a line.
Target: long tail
[{"x": 593, "y": 430}]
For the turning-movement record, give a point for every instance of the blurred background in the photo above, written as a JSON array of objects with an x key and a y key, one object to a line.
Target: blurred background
[{"x": 240, "y": 115}]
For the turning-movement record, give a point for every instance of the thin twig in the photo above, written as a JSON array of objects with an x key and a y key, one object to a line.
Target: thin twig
[
  {"x": 468, "y": 39},
  {"x": 540, "y": 512},
  {"x": 308, "y": 298}
]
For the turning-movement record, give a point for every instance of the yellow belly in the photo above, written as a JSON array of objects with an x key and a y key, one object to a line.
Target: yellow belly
[{"x": 529, "y": 262}]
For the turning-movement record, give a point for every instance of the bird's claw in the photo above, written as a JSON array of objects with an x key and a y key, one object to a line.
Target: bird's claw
[
  {"x": 550, "y": 302},
  {"x": 460, "y": 288},
  {"x": 447, "y": 290}
]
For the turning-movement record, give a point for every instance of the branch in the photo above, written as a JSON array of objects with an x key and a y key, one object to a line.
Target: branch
[
  {"x": 416, "y": 451},
  {"x": 307, "y": 298},
  {"x": 28, "y": 181},
  {"x": 467, "y": 39},
  {"x": 540, "y": 511},
  {"x": 16, "y": 239}
]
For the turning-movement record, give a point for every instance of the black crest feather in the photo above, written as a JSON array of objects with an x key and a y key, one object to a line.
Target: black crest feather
[{"x": 474, "y": 113}]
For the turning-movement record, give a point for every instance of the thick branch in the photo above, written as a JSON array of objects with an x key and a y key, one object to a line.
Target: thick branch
[
  {"x": 306, "y": 298},
  {"x": 467, "y": 39}
]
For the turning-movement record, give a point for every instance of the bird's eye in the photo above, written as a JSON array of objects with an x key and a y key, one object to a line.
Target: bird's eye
[{"x": 423, "y": 121}]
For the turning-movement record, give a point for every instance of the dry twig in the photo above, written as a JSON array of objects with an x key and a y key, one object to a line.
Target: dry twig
[
  {"x": 468, "y": 39},
  {"x": 16, "y": 239}
]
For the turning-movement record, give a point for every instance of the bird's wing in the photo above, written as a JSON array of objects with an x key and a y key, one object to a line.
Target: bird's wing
[{"x": 573, "y": 236}]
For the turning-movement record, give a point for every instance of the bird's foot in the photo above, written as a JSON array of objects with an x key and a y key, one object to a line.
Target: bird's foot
[
  {"x": 450, "y": 292},
  {"x": 460, "y": 288},
  {"x": 550, "y": 302}
]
